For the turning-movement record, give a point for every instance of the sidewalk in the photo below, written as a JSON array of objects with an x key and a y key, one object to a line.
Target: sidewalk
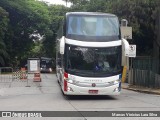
[{"x": 140, "y": 89}]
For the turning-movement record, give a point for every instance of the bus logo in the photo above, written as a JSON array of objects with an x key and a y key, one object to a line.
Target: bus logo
[{"x": 93, "y": 85}]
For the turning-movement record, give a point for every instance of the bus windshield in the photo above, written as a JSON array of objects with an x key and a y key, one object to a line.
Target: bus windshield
[
  {"x": 91, "y": 26},
  {"x": 46, "y": 64},
  {"x": 93, "y": 62}
]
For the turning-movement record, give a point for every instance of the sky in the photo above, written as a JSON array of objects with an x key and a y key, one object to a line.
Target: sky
[{"x": 57, "y": 2}]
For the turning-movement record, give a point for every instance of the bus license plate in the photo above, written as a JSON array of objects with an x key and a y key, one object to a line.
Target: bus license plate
[{"x": 93, "y": 91}]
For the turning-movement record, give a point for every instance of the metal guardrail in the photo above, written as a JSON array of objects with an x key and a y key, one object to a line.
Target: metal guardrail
[
  {"x": 13, "y": 78},
  {"x": 144, "y": 78},
  {"x": 6, "y": 74},
  {"x": 145, "y": 72}
]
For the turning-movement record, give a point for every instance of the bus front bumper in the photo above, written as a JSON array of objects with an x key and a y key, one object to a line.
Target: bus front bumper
[{"x": 77, "y": 90}]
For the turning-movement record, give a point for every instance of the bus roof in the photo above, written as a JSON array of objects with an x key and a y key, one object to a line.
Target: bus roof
[
  {"x": 91, "y": 13},
  {"x": 46, "y": 58}
]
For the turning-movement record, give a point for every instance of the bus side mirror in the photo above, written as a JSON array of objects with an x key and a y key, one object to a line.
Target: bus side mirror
[
  {"x": 125, "y": 47},
  {"x": 62, "y": 45},
  {"x": 125, "y": 51}
]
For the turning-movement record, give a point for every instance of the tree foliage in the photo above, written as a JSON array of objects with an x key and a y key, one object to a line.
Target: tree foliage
[
  {"x": 3, "y": 29},
  {"x": 28, "y": 28},
  {"x": 27, "y": 17},
  {"x": 138, "y": 13}
]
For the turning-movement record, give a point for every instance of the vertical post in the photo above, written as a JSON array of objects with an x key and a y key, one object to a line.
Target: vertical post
[
  {"x": 12, "y": 74},
  {"x": 131, "y": 64},
  {"x": 0, "y": 73},
  {"x": 124, "y": 74},
  {"x": 27, "y": 80},
  {"x": 131, "y": 68},
  {"x": 125, "y": 68},
  {"x": 130, "y": 74},
  {"x": 27, "y": 75}
]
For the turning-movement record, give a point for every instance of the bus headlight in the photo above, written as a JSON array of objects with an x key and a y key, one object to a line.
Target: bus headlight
[
  {"x": 73, "y": 82},
  {"x": 114, "y": 82},
  {"x": 50, "y": 69},
  {"x": 70, "y": 81}
]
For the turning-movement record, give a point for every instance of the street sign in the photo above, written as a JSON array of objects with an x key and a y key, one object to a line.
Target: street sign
[
  {"x": 126, "y": 32},
  {"x": 132, "y": 51},
  {"x": 33, "y": 65}
]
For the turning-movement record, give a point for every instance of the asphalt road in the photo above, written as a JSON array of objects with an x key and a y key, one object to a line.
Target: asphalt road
[{"x": 47, "y": 96}]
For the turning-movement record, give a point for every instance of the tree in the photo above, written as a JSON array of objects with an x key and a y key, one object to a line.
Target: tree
[
  {"x": 3, "y": 28},
  {"x": 56, "y": 13},
  {"x": 26, "y": 17},
  {"x": 24, "y": 20},
  {"x": 29, "y": 19}
]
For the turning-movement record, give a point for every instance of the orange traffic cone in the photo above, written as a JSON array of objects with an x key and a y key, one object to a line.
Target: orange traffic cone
[
  {"x": 23, "y": 75},
  {"x": 37, "y": 77}
]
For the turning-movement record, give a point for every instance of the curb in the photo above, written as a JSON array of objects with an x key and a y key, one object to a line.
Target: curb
[{"x": 142, "y": 90}]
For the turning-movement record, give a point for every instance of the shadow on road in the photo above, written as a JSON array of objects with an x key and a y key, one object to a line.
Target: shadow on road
[{"x": 87, "y": 97}]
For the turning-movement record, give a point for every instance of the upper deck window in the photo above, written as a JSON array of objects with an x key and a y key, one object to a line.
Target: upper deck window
[{"x": 99, "y": 26}]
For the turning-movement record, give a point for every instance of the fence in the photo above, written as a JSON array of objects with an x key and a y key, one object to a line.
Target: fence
[
  {"x": 144, "y": 72},
  {"x": 6, "y": 74},
  {"x": 10, "y": 77}
]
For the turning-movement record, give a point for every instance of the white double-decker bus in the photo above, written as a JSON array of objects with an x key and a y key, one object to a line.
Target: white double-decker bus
[{"x": 89, "y": 54}]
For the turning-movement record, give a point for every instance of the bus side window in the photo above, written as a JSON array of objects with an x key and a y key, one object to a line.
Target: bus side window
[{"x": 72, "y": 28}]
